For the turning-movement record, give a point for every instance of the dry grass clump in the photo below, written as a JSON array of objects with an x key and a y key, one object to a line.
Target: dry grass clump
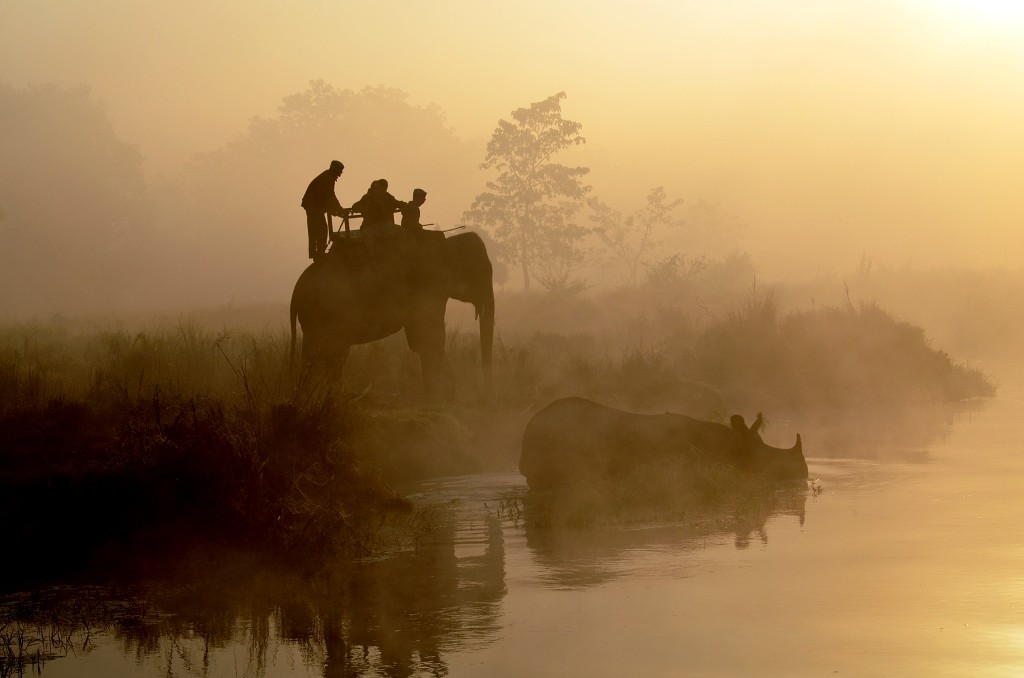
[
  {"x": 115, "y": 433},
  {"x": 831, "y": 357},
  {"x": 176, "y": 424}
]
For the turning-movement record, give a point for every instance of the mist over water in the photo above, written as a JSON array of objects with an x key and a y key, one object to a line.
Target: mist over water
[
  {"x": 818, "y": 135},
  {"x": 807, "y": 215},
  {"x": 906, "y": 564}
]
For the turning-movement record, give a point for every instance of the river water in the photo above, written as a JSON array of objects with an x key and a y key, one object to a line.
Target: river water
[{"x": 905, "y": 558}]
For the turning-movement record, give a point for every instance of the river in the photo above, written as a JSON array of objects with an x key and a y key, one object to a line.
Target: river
[{"x": 904, "y": 558}]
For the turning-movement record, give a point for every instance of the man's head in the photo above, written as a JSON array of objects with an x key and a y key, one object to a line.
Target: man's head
[
  {"x": 419, "y": 196},
  {"x": 337, "y": 168}
]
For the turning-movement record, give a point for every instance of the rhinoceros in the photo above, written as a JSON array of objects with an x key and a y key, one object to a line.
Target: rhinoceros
[{"x": 574, "y": 437}]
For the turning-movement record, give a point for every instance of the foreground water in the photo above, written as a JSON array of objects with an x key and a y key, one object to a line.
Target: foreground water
[{"x": 910, "y": 562}]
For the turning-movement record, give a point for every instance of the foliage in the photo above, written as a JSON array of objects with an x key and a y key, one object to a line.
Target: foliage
[
  {"x": 238, "y": 204},
  {"x": 83, "y": 231},
  {"x": 711, "y": 229},
  {"x": 75, "y": 203},
  {"x": 829, "y": 358},
  {"x": 976, "y": 312},
  {"x": 632, "y": 240},
  {"x": 176, "y": 423},
  {"x": 213, "y": 432},
  {"x": 530, "y": 206}
]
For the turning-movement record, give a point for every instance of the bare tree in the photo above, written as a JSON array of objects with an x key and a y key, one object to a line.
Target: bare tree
[{"x": 630, "y": 240}]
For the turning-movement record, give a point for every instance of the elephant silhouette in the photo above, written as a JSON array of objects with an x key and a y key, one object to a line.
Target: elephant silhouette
[{"x": 365, "y": 290}]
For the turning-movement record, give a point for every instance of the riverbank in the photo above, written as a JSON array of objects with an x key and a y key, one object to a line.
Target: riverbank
[{"x": 108, "y": 435}]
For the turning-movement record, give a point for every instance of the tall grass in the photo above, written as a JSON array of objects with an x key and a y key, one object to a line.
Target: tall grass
[
  {"x": 213, "y": 432},
  {"x": 175, "y": 423},
  {"x": 830, "y": 357},
  {"x": 971, "y": 312}
]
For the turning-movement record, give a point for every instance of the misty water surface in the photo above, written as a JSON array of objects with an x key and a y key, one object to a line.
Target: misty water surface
[{"x": 909, "y": 568}]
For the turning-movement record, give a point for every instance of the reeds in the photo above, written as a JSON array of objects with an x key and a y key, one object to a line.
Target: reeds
[
  {"x": 181, "y": 426},
  {"x": 177, "y": 423}
]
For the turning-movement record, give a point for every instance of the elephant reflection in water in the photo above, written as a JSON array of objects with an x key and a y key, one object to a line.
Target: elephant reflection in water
[
  {"x": 396, "y": 616},
  {"x": 357, "y": 294}
]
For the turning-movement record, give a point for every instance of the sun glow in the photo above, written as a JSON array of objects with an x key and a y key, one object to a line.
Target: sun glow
[{"x": 989, "y": 13}]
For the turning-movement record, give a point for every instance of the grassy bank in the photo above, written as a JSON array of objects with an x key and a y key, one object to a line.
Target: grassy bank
[
  {"x": 106, "y": 433},
  {"x": 111, "y": 437}
]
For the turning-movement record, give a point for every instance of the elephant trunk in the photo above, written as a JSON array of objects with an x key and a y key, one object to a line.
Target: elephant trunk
[
  {"x": 485, "y": 311},
  {"x": 292, "y": 313}
]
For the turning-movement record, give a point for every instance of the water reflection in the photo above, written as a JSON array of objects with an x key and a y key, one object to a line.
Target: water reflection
[
  {"x": 394, "y": 616},
  {"x": 574, "y": 558},
  {"x": 899, "y": 564}
]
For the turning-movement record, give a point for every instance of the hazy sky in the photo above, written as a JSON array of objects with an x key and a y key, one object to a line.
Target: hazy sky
[{"x": 892, "y": 128}]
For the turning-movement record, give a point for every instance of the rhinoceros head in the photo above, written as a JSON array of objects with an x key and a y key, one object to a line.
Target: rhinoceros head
[{"x": 775, "y": 462}]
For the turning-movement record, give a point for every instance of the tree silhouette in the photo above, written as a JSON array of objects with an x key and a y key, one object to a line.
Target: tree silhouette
[
  {"x": 530, "y": 205},
  {"x": 630, "y": 240},
  {"x": 712, "y": 229},
  {"x": 76, "y": 204},
  {"x": 240, "y": 202}
]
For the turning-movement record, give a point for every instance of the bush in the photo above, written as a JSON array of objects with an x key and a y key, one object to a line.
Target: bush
[{"x": 829, "y": 358}]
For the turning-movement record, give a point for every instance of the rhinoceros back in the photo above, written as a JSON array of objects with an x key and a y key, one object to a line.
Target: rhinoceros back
[
  {"x": 577, "y": 440},
  {"x": 574, "y": 438}
]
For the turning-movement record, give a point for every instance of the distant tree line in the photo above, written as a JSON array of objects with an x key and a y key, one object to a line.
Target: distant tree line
[
  {"x": 532, "y": 209},
  {"x": 83, "y": 230}
]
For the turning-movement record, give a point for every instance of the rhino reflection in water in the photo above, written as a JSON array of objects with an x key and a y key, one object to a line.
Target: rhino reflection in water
[{"x": 574, "y": 437}]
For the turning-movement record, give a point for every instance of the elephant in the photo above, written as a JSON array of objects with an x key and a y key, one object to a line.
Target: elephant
[
  {"x": 365, "y": 289},
  {"x": 574, "y": 438}
]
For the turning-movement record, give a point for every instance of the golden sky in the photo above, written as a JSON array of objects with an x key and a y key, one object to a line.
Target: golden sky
[{"x": 892, "y": 128}]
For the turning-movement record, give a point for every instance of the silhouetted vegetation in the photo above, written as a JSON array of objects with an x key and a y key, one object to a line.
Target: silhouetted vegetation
[
  {"x": 831, "y": 357},
  {"x": 76, "y": 207},
  {"x": 206, "y": 613},
  {"x": 183, "y": 612},
  {"x": 975, "y": 312},
  {"x": 179, "y": 426},
  {"x": 530, "y": 206},
  {"x": 632, "y": 241},
  {"x": 698, "y": 341}
]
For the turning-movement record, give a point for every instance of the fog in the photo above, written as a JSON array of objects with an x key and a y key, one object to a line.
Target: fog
[
  {"x": 804, "y": 215},
  {"x": 154, "y": 154}
]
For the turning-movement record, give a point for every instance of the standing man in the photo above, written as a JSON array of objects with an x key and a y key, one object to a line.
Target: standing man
[
  {"x": 320, "y": 203},
  {"x": 411, "y": 211}
]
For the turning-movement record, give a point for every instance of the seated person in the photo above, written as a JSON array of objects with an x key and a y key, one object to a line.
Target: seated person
[
  {"x": 411, "y": 211},
  {"x": 378, "y": 206}
]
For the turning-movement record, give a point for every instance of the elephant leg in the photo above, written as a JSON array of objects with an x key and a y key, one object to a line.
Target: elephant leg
[
  {"x": 318, "y": 352},
  {"x": 438, "y": 375},
  {"x": 311, "y": 348},
  {"x": 426, "y": 336}
]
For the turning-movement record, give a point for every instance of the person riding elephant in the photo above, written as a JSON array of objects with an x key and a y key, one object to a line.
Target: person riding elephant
[
  {"x": 320, "y": 204},
  {"x": 378, "y": 206},
  {"x": 378, "y": 209},
  {"x": 349, "y": 303},
  {"x": 411, "y": 211}
]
